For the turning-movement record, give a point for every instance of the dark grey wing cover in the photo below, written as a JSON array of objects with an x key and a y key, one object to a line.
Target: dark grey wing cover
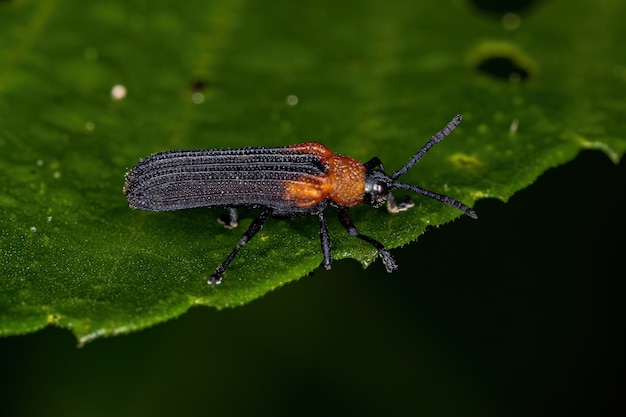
[{"x": 174, "y": 180}]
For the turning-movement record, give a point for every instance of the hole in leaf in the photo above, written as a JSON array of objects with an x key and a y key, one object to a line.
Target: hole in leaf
[
  {"x": 504, "y": 6},
  {"x": 503, "y": 67},
  {"x": 199, "y": 85},
  {"x": 503, "y": 61}
]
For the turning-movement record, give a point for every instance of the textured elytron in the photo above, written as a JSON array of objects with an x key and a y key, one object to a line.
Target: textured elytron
[{"x": 174, "y": 180}]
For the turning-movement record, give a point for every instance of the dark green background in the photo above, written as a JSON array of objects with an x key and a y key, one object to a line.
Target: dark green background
[{"x": 518, "y": 314}]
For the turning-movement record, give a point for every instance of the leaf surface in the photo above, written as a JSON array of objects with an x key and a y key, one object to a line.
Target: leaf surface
[{"x": 365, "y": 78}]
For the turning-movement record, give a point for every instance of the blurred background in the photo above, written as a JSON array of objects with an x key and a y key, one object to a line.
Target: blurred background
[{"x": 516, "y": 314}]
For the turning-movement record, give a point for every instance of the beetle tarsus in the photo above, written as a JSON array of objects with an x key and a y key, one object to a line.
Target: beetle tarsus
[
  {"x": 388, "y": 261},
  {"x": 230, "y": 220}
]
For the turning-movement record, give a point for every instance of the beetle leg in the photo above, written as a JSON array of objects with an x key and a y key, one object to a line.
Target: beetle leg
[
  {"x": 388, "y": 261},
  {"x": 394, "y": 207},
  {"x": 374, "y": 163},
  {"x": 229, "y": 221},
  {"x": 253, "y": 229},
  {"x": 325, "y": 240}
]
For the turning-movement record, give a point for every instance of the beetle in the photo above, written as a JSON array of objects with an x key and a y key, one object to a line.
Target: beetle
[{"x": 284, "y": 182}]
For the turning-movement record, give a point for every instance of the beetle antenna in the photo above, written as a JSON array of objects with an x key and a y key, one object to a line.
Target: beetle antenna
[
  {"x": 439, "y": 197},
  {"x": 438, "y": 137}
]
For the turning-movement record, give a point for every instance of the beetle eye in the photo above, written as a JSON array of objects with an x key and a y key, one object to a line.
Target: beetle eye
[
  {"x": 376, "y": 189},
  {"x": 379, "y": 188}
]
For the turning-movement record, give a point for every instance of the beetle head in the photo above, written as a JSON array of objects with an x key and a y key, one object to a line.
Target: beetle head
[{"x": 378, "y": 186}]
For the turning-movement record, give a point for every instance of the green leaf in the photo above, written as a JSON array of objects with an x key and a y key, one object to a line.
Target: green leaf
[{"x": 371, "y": 79}]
